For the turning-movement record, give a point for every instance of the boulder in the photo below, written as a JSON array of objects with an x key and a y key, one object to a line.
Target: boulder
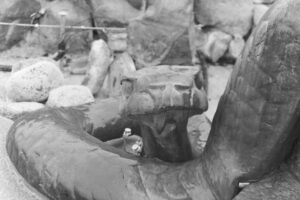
[
  {"x": 230, "y": 16},
  {"x": 69, "y": 95},
  {"x": 122, "y": 65},
  {"x": 34, "y": 83},
  {"x": 152, "y": 37},
  {"x": 16, "y": 11},
  {"x": 236, "y": 46},
  {"x": 117, "y": 40},
  {"x": 29, "y": 62},
  {"x": 12, "y": 110},
  {"x": 100, "y": 58},
  {"x": 212, "y": 43},
  {"x": 259, "y": 11},
  {"x": 70, "y": 13},
  {"x": 115, "y": 13}
]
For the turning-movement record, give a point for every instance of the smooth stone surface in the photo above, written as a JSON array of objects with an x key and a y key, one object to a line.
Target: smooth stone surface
[
  {"x": 236, "y": 46},
  {"x": 69, "y": 95},
  {"x": 122, "y": 65},
  {"x": 34, "y": 83},
  {"x": 259, "y": 11},
  {"x": 12, "y": 110},
  {"x": 29, "y": 62},
  {"x": 230, "y": 16},
  {"x": 12, "y": 185},
  {"x": 100, "y": 57}
]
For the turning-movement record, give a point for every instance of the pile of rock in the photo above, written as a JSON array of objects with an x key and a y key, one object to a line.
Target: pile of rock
[
  {"x": 37, "y": 85},
  {"x": 155, "y": 32}
]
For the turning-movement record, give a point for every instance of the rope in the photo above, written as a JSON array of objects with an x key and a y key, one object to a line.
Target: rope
[{"x": 66, "y": 27}]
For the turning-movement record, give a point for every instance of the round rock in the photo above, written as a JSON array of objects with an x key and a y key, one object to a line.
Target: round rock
[
  {"x": 35, "y": 82},
  {"x": 70, "y": 95},
  {"x": 12, "y": 110}
]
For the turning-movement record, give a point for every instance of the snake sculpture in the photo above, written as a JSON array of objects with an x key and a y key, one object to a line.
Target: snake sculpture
[{"x": 254, "y": 136}]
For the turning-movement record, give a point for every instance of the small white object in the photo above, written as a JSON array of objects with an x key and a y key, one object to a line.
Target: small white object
[
  {"x": 127, "y": 132},
  {"x": 242, "y": 185}
]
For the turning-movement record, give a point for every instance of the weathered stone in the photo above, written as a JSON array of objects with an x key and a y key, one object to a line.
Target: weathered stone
[
  {"x": 150, "y": 39},
  {"x": 66, "y": 12},
  {"x": 12, "y": 110},
  {"x": 259, "y": 11},
  {"x": 230, "y": 16},
  {"x": 70, "y": 95},
  {"x": 113, "y": 12},
  {"x": 100, "y": 58},
  {"x": 263, "y": 1},
  {"x": 117, "y": 41},
  {"x": 212, "y": 43},
  {"x": 35, "y": 82},
  {"x": 236, "y": 46},
  {"x": 28, "y": 62},
  {"x": 17, "y": 11},
  {"x": 121, "y": 66}
]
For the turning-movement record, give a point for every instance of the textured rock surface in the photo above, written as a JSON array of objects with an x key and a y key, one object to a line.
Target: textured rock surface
[
  {"x": 100, "y": 58},
  {"x": 151, "y": 38},
  {"x": 12, "y": 110},
  {"x": 35, "y": 82},
  {"x": 17, "y": 11},
  {"x": 13, "y": 185},
  {"x": 76, "y": 13},
  {"x": 230, "y": 16},
  {"x": 236, "y": 46},
  {"x": 28, "y": 62},
  {"x": 122, "y": 65},
  {"x": 259, "y": 11},
  {"x": 69, "y": 95}
]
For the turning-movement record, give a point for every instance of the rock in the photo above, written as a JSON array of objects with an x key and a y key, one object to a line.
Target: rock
[
  {"x": 17, "y": 11},
  {"x": 236, "y": 46},
  {"x": 230, "y": 16},
  {"x": 117, "y": 41},
  {"x": 100, "y": 58},
  {"x": 213, "y": 43},
  {"x": 76, "y": 13},
  {"x": 12, "y": 110},
  {"x": 70, "y": 95},
  {"x": 150, "y": 39},
  {"x": 122, "y": 65},
  {"x": 34, "y": 83},
  {"x": 263, "y": 1},
  {"x": 198, "y": 129},
  {"x": 259, "y": 11},
  {"x": 114, "y": 13},
  {"x": 28, "y": 62}
]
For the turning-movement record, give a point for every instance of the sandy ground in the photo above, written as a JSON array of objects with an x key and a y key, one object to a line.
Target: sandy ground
[{"x": 12, "y": 185}]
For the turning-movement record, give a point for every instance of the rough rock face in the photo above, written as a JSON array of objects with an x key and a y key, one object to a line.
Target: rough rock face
[
  {"x": 151, "y": 38},
  {"x": 17, "y": 11},
  {"x": 77, "y": 13},
  {"x": 113, "y": 12},
  {"x": 230, "y": 16},
  {"x": 100, "y": 58},
  {"x": 69, "y": 95},
  {"x": 122, "y": 65},
  {"x": 259, "y": 11},
  {"x": 28, "y": 62},
  {"x": 34, "y": 83},
  {"x": 12, "y": 110},
  {"x": 236, "y": 46}
]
